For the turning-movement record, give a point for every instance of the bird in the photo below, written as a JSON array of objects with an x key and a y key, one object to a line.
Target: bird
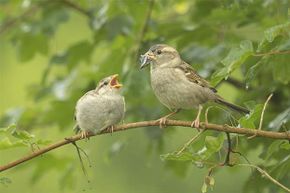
[
  {"x": 101, "y": 108},
  {"x": 177, "y": 85}
]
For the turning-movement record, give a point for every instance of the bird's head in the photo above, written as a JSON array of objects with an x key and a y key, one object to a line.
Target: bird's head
[
  {"x": 109, "y": 84},
  {"x": 160, "y": 55}
]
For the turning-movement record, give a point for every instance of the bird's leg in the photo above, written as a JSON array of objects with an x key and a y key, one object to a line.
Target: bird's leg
[
  {"x": 196, "y": 122},
  {"x": 162, "y": 120}
]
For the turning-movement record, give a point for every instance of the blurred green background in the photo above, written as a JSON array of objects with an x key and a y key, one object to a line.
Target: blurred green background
[{"x": 52, "y": 52}]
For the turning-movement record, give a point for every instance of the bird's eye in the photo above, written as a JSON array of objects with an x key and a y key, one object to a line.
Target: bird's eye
[
  {"x": 106, "y": 83},
  {"x": 159, "y": 52}
]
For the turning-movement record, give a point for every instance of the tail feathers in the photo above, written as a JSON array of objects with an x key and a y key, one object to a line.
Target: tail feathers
[
  {"x": 76, "y": 129},
  {"x": 232, "y": 106}
]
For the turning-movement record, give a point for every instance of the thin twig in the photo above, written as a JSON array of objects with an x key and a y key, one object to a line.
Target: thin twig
[
  {"x": 143, "y": 29},
  {"x": 236, "y": 83},
  {"x": 190, "y": 142},
  {"x": 262, "y": 115},
  {"x": 80, "y": 157},
  {"x": 34, "y": 8},
  {"x": 123, "y": 127},
  {"x": 240, "y": 154},
  {"x": 229, "y": 150},
  {"x": 263, "y": 111},
  {"x": 264, "y": 173},
  {"x": 31, "y": 11},
  {"x": 273, "y": 53},
  {"x": 220, "y": 108},
  {"x": 76, "y": 7}
]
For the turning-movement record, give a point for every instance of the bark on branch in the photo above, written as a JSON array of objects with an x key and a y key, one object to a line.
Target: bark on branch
[{"x": 208, "y": 126}]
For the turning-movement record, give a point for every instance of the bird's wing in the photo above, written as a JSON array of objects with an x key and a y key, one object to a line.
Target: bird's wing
[
  {"x": 192, "y": 76},
  {"x": 91, "y": 92}
]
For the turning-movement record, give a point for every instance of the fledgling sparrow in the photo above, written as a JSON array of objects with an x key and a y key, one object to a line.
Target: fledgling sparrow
[
  {"x": 177, "y": 85},
  {"x": 101, "y": 108}
]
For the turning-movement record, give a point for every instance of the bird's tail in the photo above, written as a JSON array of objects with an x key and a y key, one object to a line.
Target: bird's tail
[
  {"x": 232, "y": 106},
  {"x": 76, "y": 129}
]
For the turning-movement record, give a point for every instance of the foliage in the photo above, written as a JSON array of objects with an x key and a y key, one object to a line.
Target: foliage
[{"x": 82, "y": 41}]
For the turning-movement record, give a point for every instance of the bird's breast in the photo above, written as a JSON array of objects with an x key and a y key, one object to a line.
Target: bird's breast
[
  {"x": 175, "y": 91},
  {"x": 98, "y": 112}
]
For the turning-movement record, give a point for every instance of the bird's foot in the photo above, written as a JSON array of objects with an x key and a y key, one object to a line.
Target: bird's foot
[
  {"x": 162, "y": 122},
  {"x": 110, "y": 129},
  {"x": 195, "y": 124},
  {"x": 85, "y": 135}
]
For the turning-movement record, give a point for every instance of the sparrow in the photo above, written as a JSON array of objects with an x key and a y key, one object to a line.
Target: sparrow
[
  {"x": 101, "y": 108},
  {"x": 177, "y": 85}
]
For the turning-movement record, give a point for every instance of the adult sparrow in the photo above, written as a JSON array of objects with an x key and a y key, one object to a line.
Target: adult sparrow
[
  {"x": 177, "y": 85},
  {"x": 101, "y": 108}
]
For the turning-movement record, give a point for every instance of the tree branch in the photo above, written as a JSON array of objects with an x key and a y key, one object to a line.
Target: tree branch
[
  {"x": 236, "y": 83},
  {"x": 208, "y": 126},
  {"x": 264, "y": 173},
  {"x": 31, "y": 11},
  {"x": 274, "y": 52},
  {"x": 76, "y": 7},
  {"x": 36, "y": 7}
]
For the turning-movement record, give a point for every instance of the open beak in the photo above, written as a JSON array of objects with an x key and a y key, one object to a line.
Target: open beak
[
  {"x": 146, "y": 59},
  {"x": 114, "y": 83}
]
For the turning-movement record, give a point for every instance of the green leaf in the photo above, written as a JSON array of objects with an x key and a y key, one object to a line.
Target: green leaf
[
  {"x": 52, "y": 17},
  {"x": 58, "y": 59},
  {"x": 211, "y": 145},
  {"x": 64, "y": 115},
  {"x": 214, "y": 144},
  {"x": 281, "y": 168},
  {"x": 67, "y": 179},
  {"x": 209, "y": 180},
  {"x": 271, "y": 34},
  {"x": 184, "y": 156},
  {"x": 6, "y": 143},
  {"x": 97, "y": 21},
  {"x": 285, "y": 145},
  {"x": 204, "y": 188},
  {"x": 179, "y": 168},
  {"x": 212, "y": 181},
  {"x": 232, "y": 61},
  {"x": 247, "y": 46},
  {"x": 24, "y": 135},
  {"x": 49, "y": 163},
  {"x": 253, "y": 71},
  {"x": 29, "y": 45},
  {"x": 248, "y": 121},
  {"x": 274, "y": 147},
  {"x": 5, "y": 130},
  {"x": 43, "y": 142},
  {"x": 79, "y": 52},
  {"x": 280, "y": 119},
  {"x": 5, "y": 181},
  {"x": 281, "y": 69}
]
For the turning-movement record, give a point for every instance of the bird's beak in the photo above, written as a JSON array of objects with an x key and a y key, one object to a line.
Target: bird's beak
[
  {"x": 114, "y": 83},
  {"x": 146, "y": 59}
]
